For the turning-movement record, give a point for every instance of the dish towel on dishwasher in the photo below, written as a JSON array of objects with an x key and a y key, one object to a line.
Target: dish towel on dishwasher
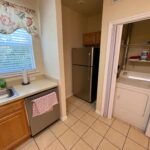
[{"x": 44, "y": 104}]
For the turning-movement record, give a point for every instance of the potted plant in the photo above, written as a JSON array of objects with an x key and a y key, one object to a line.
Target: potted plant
[{"x": 3, "y": 86}]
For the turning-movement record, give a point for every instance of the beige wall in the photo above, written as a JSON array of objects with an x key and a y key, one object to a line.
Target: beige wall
[
  {"x": 94, "y": 23},
  {"x": 49, "y": 38},
  {"x": 74, "y": 25},
  {"x": 111, "y": 12},
  {"x": 140, "y": 32},
  {"x": 52, "y": 45}
]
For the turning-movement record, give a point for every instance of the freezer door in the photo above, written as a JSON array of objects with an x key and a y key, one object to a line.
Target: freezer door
[
  {"x": 82, "y": 82},
  {"x": 82, "y": 56}
]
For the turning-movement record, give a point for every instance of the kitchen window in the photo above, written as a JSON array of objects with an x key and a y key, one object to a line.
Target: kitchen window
[{"x": 16, "y": 52}]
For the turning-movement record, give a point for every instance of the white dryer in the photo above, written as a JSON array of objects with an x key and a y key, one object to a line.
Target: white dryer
[{"x": 132, "y": 99}]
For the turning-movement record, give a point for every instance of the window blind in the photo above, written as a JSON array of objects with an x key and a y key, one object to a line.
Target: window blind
[{"x": 16, "y": 52}]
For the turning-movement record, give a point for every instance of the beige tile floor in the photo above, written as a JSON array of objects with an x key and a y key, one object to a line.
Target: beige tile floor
[{"x": 85, "y": 130}]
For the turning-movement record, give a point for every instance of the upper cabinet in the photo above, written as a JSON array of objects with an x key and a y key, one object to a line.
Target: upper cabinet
[{"x": 91, "y": 39}]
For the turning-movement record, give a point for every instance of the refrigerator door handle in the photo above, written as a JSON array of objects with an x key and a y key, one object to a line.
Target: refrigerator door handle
[
  {"x": 90, "y": 70},
  {"x": 89, "y": 74},
  {"x": 90, "y": 57}
]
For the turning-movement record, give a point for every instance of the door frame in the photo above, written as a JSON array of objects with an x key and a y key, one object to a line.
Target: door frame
[{"x": 110, "y": 80}]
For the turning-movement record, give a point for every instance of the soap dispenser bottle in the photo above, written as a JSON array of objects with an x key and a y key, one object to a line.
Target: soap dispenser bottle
[{"x": 25, "y": 78}]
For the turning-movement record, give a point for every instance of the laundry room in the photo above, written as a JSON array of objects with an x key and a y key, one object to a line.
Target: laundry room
[{"x": 132, "y": 92}]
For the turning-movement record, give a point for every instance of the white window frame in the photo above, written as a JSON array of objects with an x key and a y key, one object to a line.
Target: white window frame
[{"x": 17, "y": 74}]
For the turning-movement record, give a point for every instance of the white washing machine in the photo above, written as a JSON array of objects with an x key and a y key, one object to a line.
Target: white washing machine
[{"x": 132, "y": 98}]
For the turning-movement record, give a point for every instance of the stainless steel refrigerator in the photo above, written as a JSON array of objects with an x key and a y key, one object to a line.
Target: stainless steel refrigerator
[{"x": 85, "y": 64}]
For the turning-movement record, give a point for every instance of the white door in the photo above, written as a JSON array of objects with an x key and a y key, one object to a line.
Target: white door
[{"x": 132, "y": 107}]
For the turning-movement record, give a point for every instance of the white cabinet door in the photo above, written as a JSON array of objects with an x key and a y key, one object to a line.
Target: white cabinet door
[{"x": 132, "y": 107}]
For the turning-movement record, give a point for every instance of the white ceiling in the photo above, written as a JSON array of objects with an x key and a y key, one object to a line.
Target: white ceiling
[{"x": 88, "y": 7}]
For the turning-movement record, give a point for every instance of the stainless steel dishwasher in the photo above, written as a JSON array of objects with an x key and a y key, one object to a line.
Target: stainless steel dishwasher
[{"x": 39, "y": 123}]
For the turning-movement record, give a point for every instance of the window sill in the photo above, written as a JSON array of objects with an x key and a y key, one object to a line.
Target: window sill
[{"x": 16, "y": 75}]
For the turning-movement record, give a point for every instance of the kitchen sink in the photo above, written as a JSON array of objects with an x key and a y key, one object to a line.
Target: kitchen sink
[{"x": 7, "y": 94}]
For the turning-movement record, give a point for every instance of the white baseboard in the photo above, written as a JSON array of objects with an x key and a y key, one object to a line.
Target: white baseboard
[
  {"x": 69, "y": 95},
  {"x": 98, "y": 112},
  {"x": 63, "y": 118}
]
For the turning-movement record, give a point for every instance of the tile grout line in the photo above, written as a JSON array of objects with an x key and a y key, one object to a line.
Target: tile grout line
[
  {"x": 136, "y": 141},
  {"x": 105, "y": 124},
  {"x": 130, "y": 126},
  {"x": 119, "y": 131},
  {"x": 60, "y": 134},
  {"x": 36, "y": 143},
  {"x": 79, "y": 119},
  {"x": 73, "y": 110},
  {"x": 69, "y": 128},
  {"x": 92, "y": 124},
  {"x": 108, "y": 139},
  {"x": 105, "y": 134},
  {"x": 90, "y": 127},
  {"x": 126, "y": 138},
  {"x": 100, "y": 143},
  {"x": 96, "y": 131},
  {"x": 87, "y": 130},
  {"x": 99, "y": 133},
  {"x": 57, "y": 138},
  {"x": 80, "y": 137},
  {"x": 62, "y": 144},
  {"x": 110, "y": 127}
]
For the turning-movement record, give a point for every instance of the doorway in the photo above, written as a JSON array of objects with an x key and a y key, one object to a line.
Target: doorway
[
  {"x": 81, "y": 31},
  {"x": 113, "y": 50}
]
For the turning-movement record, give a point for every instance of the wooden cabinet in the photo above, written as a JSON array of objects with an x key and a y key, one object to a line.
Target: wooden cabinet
[
  {"x": 13, "y": 125},
  {"x": 132, "y": 106},
  {"x": 91, "y": 39}
]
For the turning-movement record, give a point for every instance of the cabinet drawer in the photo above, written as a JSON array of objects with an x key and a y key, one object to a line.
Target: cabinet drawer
[
  {"x": 13, "y": 130},
  {"x": 10, "y": 108}
]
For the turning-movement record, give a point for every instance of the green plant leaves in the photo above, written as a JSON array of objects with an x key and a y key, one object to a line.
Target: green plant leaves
[{"x": 2, "y": 84}]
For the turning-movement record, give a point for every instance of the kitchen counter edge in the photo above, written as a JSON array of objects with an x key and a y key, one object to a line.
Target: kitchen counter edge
[{"x": 34, "y": 87}]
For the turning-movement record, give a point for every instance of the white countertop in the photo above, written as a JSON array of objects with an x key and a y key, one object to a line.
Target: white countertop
[
  {"x": 31, "y": 89},
  {"x": 135, "y": 83}
]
